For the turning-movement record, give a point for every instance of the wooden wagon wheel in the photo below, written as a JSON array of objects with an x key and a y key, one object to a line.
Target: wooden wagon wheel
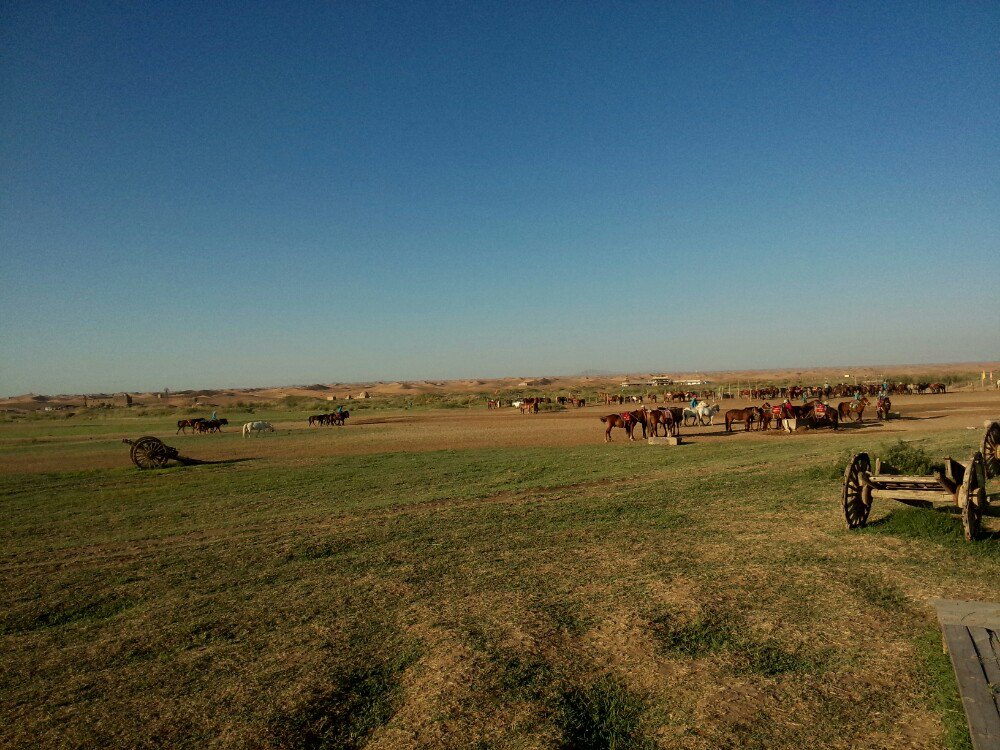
[
  {"x": 991, "y": 450},
  {"x": 972, "y": 497},
  {"x": 857, "y": 496},
  {"x": 149, "y": 453}
]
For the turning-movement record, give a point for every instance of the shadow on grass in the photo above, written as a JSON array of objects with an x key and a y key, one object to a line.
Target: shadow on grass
[
  {"x": 934, "y": 526},
  {"x": 65, "y": 613},
  {"x": 199, "y": 462},
  {"x": 344, "y": 705},
  {"x": 716, "y": 631}
]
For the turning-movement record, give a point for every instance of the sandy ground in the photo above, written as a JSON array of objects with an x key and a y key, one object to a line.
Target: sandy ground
[
  {"x": 227, "y": 397},
  {"x": 445, "y": 429}
]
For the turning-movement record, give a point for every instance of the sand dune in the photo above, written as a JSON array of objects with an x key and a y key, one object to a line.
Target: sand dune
[{"x": 224, "y": 397}]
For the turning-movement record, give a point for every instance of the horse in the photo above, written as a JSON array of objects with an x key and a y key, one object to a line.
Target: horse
[
  {"x": 257, "y": 428},
  {"x": 338, "y": 418},
  {"x": 529, "y": 406},
  {"x": 319, "y": 419},
  {"x": 846, "y": 409},
  {"x": 627, "y": 421},
  {"x": 765, "y": 416},
  {"x": 183, "y": 424},
  {"x": 210, "y": 425},
  {"x": 746, "y": 416},
  {"x": 656, "y": 417},
  {"x": 820, "y": 414},
  {"x": 882, "y": 407},
  {"x": 702, "y": 414}
]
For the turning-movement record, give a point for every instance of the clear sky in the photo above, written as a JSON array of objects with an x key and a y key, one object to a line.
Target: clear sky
[{"x": 207, "y": 194}]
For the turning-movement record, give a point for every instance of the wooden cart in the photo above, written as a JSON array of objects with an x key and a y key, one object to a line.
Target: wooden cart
[
  {"x": 991, "y": 449},
  {"x": 960, "y": 486}
]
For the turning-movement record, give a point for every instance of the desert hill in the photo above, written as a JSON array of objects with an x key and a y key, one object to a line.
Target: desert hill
[{"x": 961, "y": 374}]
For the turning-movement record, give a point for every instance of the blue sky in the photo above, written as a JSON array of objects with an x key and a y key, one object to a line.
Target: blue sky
[{"x": 207, "y": 194}]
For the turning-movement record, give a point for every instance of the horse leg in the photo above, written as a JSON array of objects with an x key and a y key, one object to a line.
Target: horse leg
[{"x": 607, "y": 433}]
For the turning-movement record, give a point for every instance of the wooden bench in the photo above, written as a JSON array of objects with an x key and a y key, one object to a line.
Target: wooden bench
[{"x": 971, "y": 633}]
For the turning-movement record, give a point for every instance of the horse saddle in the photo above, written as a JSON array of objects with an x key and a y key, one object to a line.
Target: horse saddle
[{"x": 626, "y": 417}]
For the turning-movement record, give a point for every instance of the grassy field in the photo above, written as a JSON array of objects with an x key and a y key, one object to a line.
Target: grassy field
[{"x": 556, "y": 596}]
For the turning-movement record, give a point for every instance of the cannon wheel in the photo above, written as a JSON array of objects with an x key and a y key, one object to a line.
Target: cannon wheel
[
  {"x": 991, "y": 450},
  {"x": 857, "y": 497},
  {"x": 972, "y": 497},
  {"x": 149, "y": 453}
]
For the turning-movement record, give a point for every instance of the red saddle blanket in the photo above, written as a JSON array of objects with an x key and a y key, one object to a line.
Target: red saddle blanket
[
  {"x": 820, "y": 410},
  {"x": 776, "y": 411},
  {"x": 626, "y": 416}
]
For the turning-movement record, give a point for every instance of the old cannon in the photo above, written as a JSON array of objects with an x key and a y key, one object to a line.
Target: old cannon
[{"x": 150, "y": 452}]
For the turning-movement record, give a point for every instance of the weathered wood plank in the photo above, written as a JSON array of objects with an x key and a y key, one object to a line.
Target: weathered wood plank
[
  {"x": 930, "y": 481},
  {"x": 985, "y": 641},
  {"x": 967, "y": 612},
  {"x": 928, "y": 495},
  {"x": 977, "y": 698}
]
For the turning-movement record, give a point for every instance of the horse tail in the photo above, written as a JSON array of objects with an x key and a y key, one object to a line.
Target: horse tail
[
  {"x": 604, "y": 419},
  {"x": 246, "y": 429}
]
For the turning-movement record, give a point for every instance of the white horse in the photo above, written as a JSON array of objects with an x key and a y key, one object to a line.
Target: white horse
[
  {"x": 702, "y": 414},
  {"x": 257, "y": 427}
]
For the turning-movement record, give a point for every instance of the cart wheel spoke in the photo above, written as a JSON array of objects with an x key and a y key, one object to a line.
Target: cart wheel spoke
[{"x": 855, "y": 503}]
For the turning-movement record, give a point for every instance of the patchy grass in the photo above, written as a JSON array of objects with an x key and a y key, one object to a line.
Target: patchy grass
[
  {"x": 714, "y": 631},
  {"x": 573, "y": 596},
  {"x": 603, "y": 716}
]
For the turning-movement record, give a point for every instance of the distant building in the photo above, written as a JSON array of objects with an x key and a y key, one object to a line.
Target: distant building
[{"x": 661, "y": 380}]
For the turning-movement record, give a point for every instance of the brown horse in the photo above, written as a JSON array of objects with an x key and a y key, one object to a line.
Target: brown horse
[
  {"x": 210, "y": 425},
  {"x": 882, "y": 407},
  {"x": 746, "y": 416},
  {"x": 765, "y": 416},
  {"x": 656, "y": 417},
  {"x": 847, "y": 409},
  {"x": 819, "y": 414},
  {"x": 627, "y": 421},
  {"x": 338, "y": 418},
  {"x": 183, "y": 424}
]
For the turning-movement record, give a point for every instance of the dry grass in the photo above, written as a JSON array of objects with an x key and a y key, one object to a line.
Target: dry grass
[{"x": 548, "y": 595}]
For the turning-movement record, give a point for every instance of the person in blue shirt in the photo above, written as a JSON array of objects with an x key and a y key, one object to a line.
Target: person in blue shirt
[{"x": 694, "y": 401}]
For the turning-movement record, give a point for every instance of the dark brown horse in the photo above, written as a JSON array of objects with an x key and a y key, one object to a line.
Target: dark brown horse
[
  {"x": 338, "y": 418},
  {"x": 210, "y": 425},
  {"x": 765, "y": 416},
  {"x": 627, "y": 421},
  {"x": 882, "y": 407},
  {"x": 747, "y": 416},
  {"x": 656, "y": 417},
  {"x": 819, "y": 414}
]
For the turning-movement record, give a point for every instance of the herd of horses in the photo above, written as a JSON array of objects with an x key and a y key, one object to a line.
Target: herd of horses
[
  {"x": 333, "y": 418},
  {"x": 201, "y": 425},
  {"x": 812, "y": 413}
]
